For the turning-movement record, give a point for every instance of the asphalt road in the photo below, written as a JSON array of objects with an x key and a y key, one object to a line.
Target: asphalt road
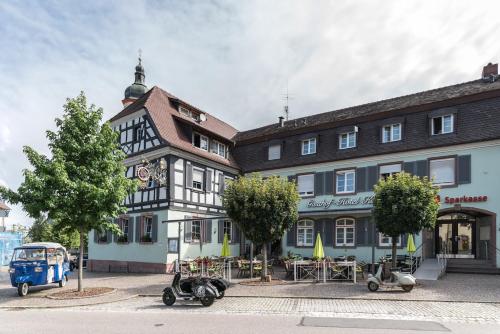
[{"x": 104, "y": 322}]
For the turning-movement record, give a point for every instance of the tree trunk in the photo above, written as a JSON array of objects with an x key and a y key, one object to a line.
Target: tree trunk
[
  {"x": 394, "y": 251},
  {"x": 80, "y": 263},
  {"x": 263, "y": 272}
]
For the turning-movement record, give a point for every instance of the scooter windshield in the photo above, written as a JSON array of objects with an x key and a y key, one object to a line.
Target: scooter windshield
[{"x": 29, "y": 254}]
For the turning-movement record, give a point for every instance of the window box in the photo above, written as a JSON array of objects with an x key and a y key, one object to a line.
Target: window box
[
  {"x": 122, "y": 239},
  {"x": 146, "y": 239}
]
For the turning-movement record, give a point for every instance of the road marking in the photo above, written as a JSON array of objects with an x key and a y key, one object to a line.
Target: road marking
[{"x": 373, "y": 324}]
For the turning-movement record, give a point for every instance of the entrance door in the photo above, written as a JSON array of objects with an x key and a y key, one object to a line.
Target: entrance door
[{"x": 456, "y": 238}]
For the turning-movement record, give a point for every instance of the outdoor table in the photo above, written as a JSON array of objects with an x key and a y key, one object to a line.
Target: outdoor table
[
  {"x": 254, "y": 263},
  {"x": 310, "y": 269}
]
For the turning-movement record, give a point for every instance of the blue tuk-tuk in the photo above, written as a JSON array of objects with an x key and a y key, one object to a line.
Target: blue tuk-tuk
[{"x": 38, "y": 264}]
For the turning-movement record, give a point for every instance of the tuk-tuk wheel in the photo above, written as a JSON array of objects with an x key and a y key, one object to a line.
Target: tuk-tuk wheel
[
  {"x": 62, "y": 283},
  {"x": 22, "y": 289}
]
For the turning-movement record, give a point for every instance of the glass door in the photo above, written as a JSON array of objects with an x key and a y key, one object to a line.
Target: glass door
[{"x": 455, "y": 238}]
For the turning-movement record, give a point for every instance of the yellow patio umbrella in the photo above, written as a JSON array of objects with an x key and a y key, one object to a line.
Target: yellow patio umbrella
[
  {"x": 226, "y": 251},
  {"x": 318, "y": 248},
  {"x": 410, "y": 248}
]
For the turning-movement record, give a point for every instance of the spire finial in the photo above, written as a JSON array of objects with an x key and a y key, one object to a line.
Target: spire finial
[{"x": 140, "y": 56}]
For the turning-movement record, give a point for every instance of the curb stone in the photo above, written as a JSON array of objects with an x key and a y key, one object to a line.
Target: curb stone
[
  {"x": 347, "y": 298},
  {"x": 65, "y": 306}
]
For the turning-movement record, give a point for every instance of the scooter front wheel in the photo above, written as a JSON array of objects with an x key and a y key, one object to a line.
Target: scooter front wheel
[
  {"x": 168, "y": 298},
  {"x": 22, "y": 289},
  {"x": 207, "y": 301},
  {"x": 372, "y": 286},
  {"x": 221, "y": 294},
  {"x": 407, "y": 288}
]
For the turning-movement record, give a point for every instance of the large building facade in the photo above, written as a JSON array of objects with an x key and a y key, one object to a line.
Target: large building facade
[{"x": 450, "y": 134}]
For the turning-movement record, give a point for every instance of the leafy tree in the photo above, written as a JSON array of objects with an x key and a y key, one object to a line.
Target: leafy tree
[
  {"x": 83, "y": 183},
  {"x": 404, "y": 204},
  {"x": 262, "y": 208},
  {"x": 43, "y": 230}
]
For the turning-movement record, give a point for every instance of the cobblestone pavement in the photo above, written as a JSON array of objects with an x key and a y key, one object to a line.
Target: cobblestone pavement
[{"x": 371, "y": 309}]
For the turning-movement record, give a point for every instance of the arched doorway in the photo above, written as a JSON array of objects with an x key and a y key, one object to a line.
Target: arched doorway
[{"x": 464, "y": 232}]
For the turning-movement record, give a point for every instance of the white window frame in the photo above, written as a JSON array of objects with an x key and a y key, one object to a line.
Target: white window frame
[
  {"x": 196, "y": 225},
  {"x": 452, "y": 120},
  {"x": 345, "y": 225},
  {"x": 201, "y": 183},
  {"x": 392, "y": 137},
  {"x": 452, "y": 183},
  {"x": 305, "y": 228},
  {"x": 307, "y": 192},
  {"x": 344, "y": 174},
  {"x": 202, "y": 139},
  {"x": 389, "y": 166},
  {"x": 219, "y": 148},
  {"x": 227, "y": 227},
  {"x": 272, "y": 154},
  {"x": 184, "y": 111},
  {"x": 386, "y": 241},
  {"x": 309, "y": 146},
  {"x": 348, "y": 142}
]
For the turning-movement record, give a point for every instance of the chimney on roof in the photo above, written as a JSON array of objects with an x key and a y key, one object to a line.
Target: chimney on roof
[
  {"x": 490, "y": 70},
  {"x": 281, "y": 121}
]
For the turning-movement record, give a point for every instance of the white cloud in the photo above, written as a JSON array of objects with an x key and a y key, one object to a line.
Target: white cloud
[{"x": 230, "y": 58}]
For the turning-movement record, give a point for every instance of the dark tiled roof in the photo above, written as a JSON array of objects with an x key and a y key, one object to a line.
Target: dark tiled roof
[
  {"x": 166, "y": 118},
  {"x": 398, "y": 103}
]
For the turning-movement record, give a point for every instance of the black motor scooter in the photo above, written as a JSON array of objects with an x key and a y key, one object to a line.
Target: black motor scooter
[
  {"x": 219, "y": 283},
  {"x": 197, "y": 288}
]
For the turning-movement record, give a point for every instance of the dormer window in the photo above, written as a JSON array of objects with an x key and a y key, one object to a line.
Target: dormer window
[
  {"x": 347, "y": 140},
  {"x": 391, "y": 133},
  {"x": 219, "y": 149},
  {"x": 184, "y": 111},
  {"x": 309, "y": 146},
  {"x": 442, "y": 125},
  {"x": 200, "y": 141}
]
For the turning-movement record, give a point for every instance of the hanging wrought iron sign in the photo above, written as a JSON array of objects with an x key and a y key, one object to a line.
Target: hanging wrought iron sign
[{"x": 149, "y": 171}]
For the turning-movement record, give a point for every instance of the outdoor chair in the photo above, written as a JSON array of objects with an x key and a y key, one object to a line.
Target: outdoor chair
[
  {"x": 288, "y": 269},
  {"x": 360, "y": 269},
  {"x": 336, "y": 272},
  {"x": 243, "y": 269},
  {"x": 270, "y": 269}
]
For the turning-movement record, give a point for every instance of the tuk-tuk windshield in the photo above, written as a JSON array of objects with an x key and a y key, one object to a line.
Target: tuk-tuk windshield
[{"x": 29, "y": 254}]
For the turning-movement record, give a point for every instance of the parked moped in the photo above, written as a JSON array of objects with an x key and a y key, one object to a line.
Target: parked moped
[
  {"x": 198, "y": 288},
  {"x": 398, "y": 279}
]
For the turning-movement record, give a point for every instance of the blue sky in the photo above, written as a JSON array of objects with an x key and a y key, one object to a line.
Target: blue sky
[{"x": 233, "y": 59}]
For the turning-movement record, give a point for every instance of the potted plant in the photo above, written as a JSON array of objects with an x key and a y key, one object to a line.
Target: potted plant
[
  {"x": 146, "y": 238},
  {"x": 122, "y": 239}
]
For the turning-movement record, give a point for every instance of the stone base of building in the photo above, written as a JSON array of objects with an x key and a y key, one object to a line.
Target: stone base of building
[{"x": 111, "y": 266}]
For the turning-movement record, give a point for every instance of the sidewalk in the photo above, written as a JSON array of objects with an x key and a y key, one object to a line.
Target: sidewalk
[{"x": 452, "y": 288}]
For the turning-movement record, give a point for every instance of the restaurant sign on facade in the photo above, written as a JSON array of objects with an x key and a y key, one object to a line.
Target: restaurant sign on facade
[{"x": 341, "y": 202}]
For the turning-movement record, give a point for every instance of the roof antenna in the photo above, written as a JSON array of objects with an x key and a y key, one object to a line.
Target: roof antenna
[{"x": 286, "y": 97}]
